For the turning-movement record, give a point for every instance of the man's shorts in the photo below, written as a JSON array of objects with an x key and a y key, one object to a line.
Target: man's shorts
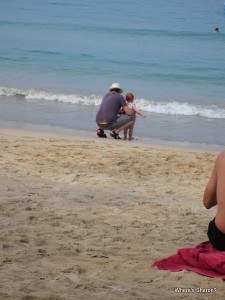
[
  {"x": 121, "y": 121},
  {"x": 216, "y": 237}
]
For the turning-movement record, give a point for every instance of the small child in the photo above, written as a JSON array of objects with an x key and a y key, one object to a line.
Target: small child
[{"x": 131, "y": 105}]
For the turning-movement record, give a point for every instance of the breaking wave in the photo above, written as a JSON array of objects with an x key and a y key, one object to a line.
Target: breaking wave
[{"x": 151, "y": 106}]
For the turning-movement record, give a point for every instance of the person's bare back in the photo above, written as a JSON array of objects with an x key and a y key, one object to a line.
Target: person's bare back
[{"x": 215, "y": 195}]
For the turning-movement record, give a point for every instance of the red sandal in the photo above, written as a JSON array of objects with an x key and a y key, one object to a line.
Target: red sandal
[
  {"x": 101, "y": 134},
  {"x": 115, "y": 135}
]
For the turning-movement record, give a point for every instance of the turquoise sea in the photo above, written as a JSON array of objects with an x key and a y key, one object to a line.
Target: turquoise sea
[{"x": 58, "y": 58}]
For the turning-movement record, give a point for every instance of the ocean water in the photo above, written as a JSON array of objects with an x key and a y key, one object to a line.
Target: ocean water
[{"x": 58, "y": 58}]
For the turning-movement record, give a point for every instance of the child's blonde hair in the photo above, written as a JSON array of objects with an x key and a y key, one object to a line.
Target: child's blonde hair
[{"x": 129, "y": 97}]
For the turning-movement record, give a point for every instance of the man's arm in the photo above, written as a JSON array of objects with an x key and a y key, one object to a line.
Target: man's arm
[
  {"x": 210, "y": 194},
  {"x": 128, "y": 111}
]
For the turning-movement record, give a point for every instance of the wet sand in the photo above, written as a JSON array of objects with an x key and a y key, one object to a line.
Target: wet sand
[{"x": 85, "y": 218}]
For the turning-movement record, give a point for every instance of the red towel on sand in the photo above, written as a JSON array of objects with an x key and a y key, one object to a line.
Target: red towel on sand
[{"x": 203, "y": 259}]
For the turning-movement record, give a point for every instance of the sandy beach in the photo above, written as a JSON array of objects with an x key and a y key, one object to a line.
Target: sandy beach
[{"x": 85, "y": 218}]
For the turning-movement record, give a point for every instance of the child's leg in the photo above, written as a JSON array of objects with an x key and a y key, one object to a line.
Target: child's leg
[
  {"x": 125, "y": 134},
  {"x": 131, "y": 130}
]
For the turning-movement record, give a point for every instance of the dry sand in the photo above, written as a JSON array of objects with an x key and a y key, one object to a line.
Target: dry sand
[{"x": 85, "y": 218}]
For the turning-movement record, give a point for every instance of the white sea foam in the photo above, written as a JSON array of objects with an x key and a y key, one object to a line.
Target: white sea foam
[
  {"x": 169, "y": 108},
  {"x": 185, "y": 109},
  {"x": 32, "y": 94}
]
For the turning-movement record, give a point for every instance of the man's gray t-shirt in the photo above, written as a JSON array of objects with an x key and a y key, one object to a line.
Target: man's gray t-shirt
[{"x": 110, "y": 107}]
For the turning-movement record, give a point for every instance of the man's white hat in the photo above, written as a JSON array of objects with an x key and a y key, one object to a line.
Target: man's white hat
[{"x": 115, "y": 86}]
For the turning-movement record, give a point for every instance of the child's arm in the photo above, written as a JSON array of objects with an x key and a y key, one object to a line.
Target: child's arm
[
  {"x": 122, "y": 112},
  {"x": 138, "y": 112}
]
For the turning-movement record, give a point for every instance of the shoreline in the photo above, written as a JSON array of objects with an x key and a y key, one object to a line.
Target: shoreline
[
  {"x": 40, "y": 130},
  {"x": 85, "y": 218},
  {"x": 183, "y": 131}
]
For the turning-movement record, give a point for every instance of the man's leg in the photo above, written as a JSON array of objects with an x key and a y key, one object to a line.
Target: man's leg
[
  {"x": 124, "y": 127},
  {"x": 115, "y": 133},
  {"x": 123, "y": 123}
]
